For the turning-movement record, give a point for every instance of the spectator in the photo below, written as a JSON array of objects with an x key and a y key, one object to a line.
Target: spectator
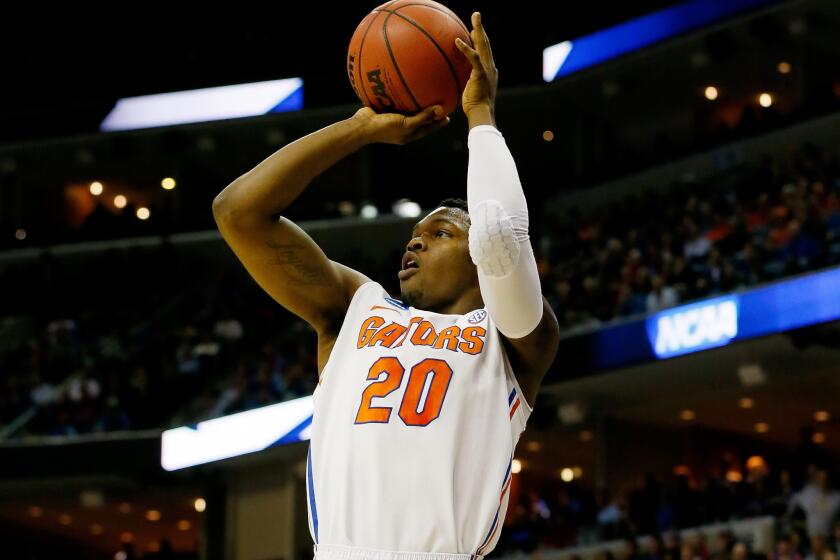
[
  {"x": 836, "y": 540},
  {"x": 724, "y": 541},
  {"x": 656, "y": 548},
  {"x": 660, "y": 296},
  {"x": 818, "y": 501},
  {"x": 631, "y": 550},
  {"x": 604, "y": 554},
  {"x": 784, "y": 550},
  {"x": 672, "y": 544},
  {"x": 818, "y": 547},
  {"x": 740, "y": 551}
]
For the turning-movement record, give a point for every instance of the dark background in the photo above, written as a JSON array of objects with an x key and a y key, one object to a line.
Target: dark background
[{"x": 63, "y": 73}]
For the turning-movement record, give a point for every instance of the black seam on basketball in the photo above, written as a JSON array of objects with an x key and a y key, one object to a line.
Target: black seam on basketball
[
  {"x": 440, "y": 50},
  {"x": 394, "y": 60},
  {"x": 359, "y": 62},
  {"x": 444, "y": 12}
]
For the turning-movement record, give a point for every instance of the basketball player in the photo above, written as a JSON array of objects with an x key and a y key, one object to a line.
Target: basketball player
[{"x": 420, "y": 402}]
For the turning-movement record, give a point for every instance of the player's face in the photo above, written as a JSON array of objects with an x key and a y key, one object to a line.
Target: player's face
[{"x": 436, "y": 267}]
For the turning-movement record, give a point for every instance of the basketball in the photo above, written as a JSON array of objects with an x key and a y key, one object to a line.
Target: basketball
[{"x": 402, "y": 57}]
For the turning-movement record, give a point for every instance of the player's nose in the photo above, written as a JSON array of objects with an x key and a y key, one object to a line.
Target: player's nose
[{"x": 416, "y": 244}]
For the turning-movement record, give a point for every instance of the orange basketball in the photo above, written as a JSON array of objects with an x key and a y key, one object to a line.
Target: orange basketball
[{"x": 403, "y": 58}]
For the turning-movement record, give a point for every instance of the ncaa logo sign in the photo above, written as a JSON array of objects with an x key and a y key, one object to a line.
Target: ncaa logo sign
[
  {"x": 477, "y": 316},
  {"x": 693, "y": 327}
]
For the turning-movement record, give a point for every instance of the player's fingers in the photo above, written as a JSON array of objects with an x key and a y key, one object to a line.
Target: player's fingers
[
  {"x": 470, "y": 53},
  {"x": 480, "y": 39},
  {"x": 428, "y": 129},
  {"x": 426, "y": 116},
  {"x": 366, "y": 112}
]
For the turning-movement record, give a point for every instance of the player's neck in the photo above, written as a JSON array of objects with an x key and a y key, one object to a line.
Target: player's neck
[{"x": 466, "y": 302}]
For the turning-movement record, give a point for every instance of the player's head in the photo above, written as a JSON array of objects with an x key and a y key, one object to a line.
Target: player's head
[{"x": 439, "y": 247}]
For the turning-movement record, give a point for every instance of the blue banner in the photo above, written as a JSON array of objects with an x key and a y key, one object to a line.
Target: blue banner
[
  {"x": 711, "y": 323},
  {"x": 568, "y": 57},
  {"x": 204, "y": 105}
]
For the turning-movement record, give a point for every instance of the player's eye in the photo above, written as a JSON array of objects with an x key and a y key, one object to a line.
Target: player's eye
[{"x": 442, "y": 233}]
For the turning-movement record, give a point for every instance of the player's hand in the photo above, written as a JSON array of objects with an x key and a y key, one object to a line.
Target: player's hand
[
  {"x": 393, "y": 128},
  {"x": 479, "y": 98}
]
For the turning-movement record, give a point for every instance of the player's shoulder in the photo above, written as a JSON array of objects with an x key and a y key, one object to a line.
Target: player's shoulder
[{"x": 370, "y": 292}]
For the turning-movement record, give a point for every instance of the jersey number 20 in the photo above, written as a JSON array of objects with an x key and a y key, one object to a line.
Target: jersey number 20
[{"x": 392, "y": 368}]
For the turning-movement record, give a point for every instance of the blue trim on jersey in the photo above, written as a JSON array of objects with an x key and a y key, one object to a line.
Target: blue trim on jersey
[
  {"x": 490, "y": 532},
  {"x": 510, "y": 465},
  {"x": 496, "y": 518},
  {"x": 510, "y": 397},
  {"x": 312, "y": 508},
  {"x": 396, "y": 302}
]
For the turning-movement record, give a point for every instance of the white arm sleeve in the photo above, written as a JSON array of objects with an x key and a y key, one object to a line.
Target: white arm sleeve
[{"x": 499, "y": 243}]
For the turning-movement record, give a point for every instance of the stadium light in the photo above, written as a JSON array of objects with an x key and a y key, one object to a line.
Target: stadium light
[
  {"x": 765, "y": 100},
  {"x": 533, "y": 446},
  {"x": 734, "y": 476},
  {"x": 516, "y": 466},
  {"x": 548, "y": 135},
  {"x": 406, "y": 208},
  {"x": 818, "y": 438},
  {"x": 567, "y": 475},
  {"x": 120, "y": 201},
  {"x": 762, "y": 427},
  {"x": 369, "y": 211},
  {"x": 746, "y": 402},
  {"x": 96, "y": 188},
  {"x": 200, "y": 505},
  {"x": 711, "y": 93},
  {"x": 168, "y": 183},
  {"x": 20, "y": 234},
  {"x": 822, "y": 416},
  {"x": 687, "y": 415},
  {"x": 784, "y": 67},
  {"x": 756, "y": 462},
  {"x": 143, "y": 213}
]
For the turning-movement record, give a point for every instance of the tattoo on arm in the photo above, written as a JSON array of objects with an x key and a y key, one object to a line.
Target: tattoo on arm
[{"x": 289, "y": 257}]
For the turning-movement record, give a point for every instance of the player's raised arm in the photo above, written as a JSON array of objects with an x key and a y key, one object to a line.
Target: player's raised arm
[
  {"x": 498, "y": 237},
  {"x": 280, "y": 256}
]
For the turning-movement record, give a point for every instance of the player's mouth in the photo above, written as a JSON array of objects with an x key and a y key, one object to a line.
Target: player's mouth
[{"x": 410, "y": 266}]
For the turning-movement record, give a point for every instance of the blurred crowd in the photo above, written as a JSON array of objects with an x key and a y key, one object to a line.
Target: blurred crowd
[
  {"x": 653, "y": 250},
  {"x": 129, "y": 339},
  {"x": 801, "y": 495},
  {"x": 88, "y": 343}
]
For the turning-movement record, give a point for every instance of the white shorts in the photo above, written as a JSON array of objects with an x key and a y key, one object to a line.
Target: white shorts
[{"x": 336, "y": 552}]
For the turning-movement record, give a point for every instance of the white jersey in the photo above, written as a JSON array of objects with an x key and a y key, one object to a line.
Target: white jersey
[{"x": 416, "y": 418}]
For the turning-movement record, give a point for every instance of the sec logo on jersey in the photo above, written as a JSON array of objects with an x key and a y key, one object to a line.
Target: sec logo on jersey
[{"x": 477, "y": 316}]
